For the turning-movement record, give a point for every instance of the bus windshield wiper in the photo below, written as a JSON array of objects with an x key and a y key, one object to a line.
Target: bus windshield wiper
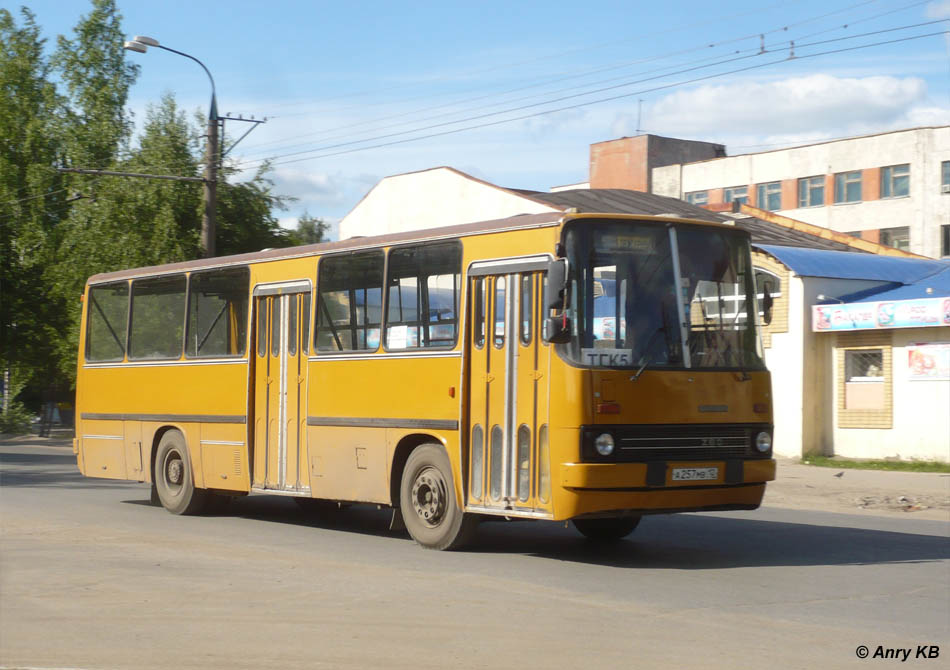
[{"x": 646, "y": 358}]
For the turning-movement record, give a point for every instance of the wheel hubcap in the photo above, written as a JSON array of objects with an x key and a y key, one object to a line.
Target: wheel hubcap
[
  {"x": 174, "y": 470},
  {"x": 429, "y": 497}
]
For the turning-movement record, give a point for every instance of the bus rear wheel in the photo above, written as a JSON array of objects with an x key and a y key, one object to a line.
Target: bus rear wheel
[
  {"x": 173, "y": 476},
  {"x": 606, "y": 530},
  {"x": 428, "y": 504}
]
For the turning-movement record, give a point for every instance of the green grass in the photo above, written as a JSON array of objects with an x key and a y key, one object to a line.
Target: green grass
[{"x": 855, "y": 464}]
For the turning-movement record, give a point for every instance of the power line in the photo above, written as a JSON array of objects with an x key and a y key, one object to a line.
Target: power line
[
  {"x": 575, "y": 75},
  {"x": 576, "y": 95},
  {"x": 608, "y": 99}
]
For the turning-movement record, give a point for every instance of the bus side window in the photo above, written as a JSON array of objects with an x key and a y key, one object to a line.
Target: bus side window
[
  {"x": 423, "y": 296},
  {"x": 478, "y": 315},
  {"x": 262, "y": 327},
  {"x": 107, "y": 321},
  {"x": 158, "y": 318},
  {"x": 527, "y": 284},
  {"x": 498, "y": 322},
  {"x": 349, "y": 302},
  {"x": 217, "y": 313}
]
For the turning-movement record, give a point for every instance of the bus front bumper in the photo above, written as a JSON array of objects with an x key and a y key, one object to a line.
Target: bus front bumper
[{"x": 655, "y": 488}]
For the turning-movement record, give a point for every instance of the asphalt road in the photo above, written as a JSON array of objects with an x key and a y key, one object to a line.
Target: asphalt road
[{"x": 91, "y": 576}]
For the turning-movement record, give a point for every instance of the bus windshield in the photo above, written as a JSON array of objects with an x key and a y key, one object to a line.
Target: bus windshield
[{"x": 623, "y": 287}]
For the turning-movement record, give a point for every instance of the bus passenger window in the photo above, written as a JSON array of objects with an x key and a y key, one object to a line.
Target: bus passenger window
[
  {"x": 275, "y": 327},
  {"x": 305, "y": 325},
  {"x": 106, "y": 322},
  {"x": 527, "y": 284},
  {"x": 349, "y": 302},
  {"x": 217, "y": 313},
  {"x": 292, "y": 326},
  {"x": 158, "y": 318},
  {"x": 498, "y": 325},
  {"x": 478, "y": 315},
  {"x": 423, "y": 296},
  {"x": 262, "y": 327}
]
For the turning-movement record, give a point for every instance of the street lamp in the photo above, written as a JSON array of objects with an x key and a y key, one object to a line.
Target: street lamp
[{"x": 140, "y": 44}]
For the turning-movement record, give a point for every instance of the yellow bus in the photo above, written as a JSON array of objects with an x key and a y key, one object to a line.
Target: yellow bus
[{"x": 583, "y": 367}]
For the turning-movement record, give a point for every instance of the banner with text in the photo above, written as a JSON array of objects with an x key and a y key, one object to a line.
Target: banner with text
[{"x": 918, "y": 313}]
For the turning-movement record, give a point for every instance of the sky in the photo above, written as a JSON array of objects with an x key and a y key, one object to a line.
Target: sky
[{"x": 514, "y": 92}]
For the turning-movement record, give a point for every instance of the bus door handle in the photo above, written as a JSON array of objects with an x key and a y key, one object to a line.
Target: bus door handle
[{"x": 488, "y": 378}]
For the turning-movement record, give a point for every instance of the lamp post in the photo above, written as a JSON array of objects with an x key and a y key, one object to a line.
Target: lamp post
[{"x": 140, "y": 44}]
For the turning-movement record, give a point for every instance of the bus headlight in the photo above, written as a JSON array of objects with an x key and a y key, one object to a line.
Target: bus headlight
[
  {"x": 763, "y": 441},
  {"x": 604, "y": 444}
]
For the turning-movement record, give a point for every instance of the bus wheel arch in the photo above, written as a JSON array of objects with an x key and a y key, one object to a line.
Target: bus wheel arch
[
  {"x": 173, "y": 477},
  {"x": 400, "y": 455},
  {"x": 428, "y": 501}
]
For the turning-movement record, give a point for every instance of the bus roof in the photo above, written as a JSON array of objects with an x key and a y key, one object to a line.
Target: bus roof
[{"x": 518, "y": 222}]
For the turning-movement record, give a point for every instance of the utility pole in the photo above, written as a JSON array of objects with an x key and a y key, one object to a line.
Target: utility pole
[
  {"x": 210, "y": 182},
  {"x": 140, "y": 44}
]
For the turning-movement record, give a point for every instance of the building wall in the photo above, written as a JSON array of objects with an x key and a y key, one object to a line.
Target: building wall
[
  {"x": 800, "y": 362},
  {"x": 924, "y": 211},
  {"x": 438, "y": 197},
  {"x": 916, "y": 424},
  {"x": 629, "y": 162}
]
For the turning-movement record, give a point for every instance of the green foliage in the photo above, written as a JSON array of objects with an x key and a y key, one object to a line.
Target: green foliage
[
  {"x": 15, "y": 418},
  {"x": 57, "y": 229},
  {"x": 310, "y": 230}
]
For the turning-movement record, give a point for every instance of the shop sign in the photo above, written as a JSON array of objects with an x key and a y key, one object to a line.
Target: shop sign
[
  {"x": 918, "y": 313},
  {"x": 928, "y": 361}
]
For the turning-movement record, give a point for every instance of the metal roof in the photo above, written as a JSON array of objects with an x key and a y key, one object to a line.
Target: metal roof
[
  {"x": 625, "y": 201},
  {"x": 845, "y": 265},
  {"x": 934, "y": 286}
]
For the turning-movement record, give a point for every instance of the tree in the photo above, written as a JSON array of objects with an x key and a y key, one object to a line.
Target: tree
[
  {"x": 32, "y": 199},
  {"x": 310, "y": 230},
  {"x": 56, "y": 230}
]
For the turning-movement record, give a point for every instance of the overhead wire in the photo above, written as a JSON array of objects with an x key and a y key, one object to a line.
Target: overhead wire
[
  {"x": 274, "y": 160},
  {"x": 760, "y": 34},
  {"x": 582, "y": 94}
]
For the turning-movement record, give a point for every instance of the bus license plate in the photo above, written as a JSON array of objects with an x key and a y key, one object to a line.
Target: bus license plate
[{"x": 695, "y": 474}]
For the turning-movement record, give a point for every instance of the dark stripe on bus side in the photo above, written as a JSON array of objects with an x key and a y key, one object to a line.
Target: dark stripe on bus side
[
  {"x": 181, "y": 418},
  {"x": 360, "y": 422}
]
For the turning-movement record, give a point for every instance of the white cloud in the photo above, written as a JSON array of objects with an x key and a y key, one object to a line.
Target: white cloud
[
  {"x": 819, "y": 104},
  {"x": 939, "y": 10}
]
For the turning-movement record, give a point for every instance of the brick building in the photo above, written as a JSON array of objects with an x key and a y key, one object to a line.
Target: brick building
[{"x": 892, "y": 188}]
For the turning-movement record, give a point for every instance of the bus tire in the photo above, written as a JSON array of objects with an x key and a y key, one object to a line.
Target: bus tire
[
  {"x": 427, "y": 501},
  {"x": 606, "y": 530},
  {"x": 173, "y": 476}
]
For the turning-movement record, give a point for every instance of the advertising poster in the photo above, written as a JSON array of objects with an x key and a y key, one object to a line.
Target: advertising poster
[
  {"x": 928, "y": 361},
  {"x": 919, "y": 313}
]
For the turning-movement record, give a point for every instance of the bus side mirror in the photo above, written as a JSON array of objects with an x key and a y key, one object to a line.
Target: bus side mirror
[
  {"x": 557, "y": 329},
  {"x": 767, "y": 302},
  {"x": 557, "y": 284}
]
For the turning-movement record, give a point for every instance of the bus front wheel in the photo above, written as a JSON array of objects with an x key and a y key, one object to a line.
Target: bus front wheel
[
  {"x": 427, "y": 501},
  {"x": 173, "y": 477},
  {"x": 606, "y": 530}
]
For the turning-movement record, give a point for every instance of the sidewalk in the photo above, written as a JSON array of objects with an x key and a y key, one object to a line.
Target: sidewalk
[{"x": 921, "y": 495}]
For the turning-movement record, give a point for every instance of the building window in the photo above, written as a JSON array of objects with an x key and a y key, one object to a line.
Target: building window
[
  {"x": 811, "y": 192},
  {"x": 769, "y": 196},
  {"x": 945, "y": 240},
  {"x": 698, "y": 198},
  {"x": 848, "y": 187},
  {"x": 738, "y": 194},
  {"x": 945, "y": 177},
  {"x": 895, "y": 181},
  {"x": 864, "y": 379},
  {"x": 899, "y": 238}
]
